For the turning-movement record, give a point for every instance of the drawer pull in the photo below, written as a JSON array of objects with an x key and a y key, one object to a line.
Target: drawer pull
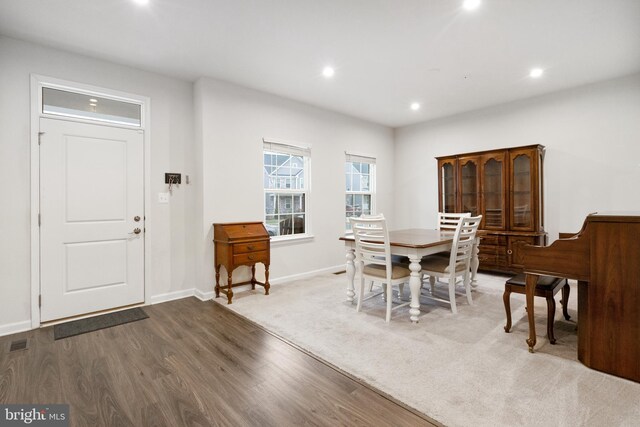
[
  {"x": 250, "y": 247},
  {"x": 509, "y": 251},
  {"x": 250, "y": 257}
]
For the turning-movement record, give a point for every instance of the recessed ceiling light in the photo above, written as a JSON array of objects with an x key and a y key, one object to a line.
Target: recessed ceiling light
[
  {"x": 93, "y": 100},
  {"x": 328, "y": 72},
  {"x": 471, "y": 4},
  {"x": 415, "y": 106},
  {"x": 536, "y": 72},
  {"x": 141, "y": 2}
]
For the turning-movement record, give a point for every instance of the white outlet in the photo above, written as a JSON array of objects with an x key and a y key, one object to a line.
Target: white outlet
[{"x": 163, "y": 197}]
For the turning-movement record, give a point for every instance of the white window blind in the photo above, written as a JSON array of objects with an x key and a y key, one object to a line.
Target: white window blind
[
  {"x": 359, "y": 158},
  {"x": 288, "y": 148}
]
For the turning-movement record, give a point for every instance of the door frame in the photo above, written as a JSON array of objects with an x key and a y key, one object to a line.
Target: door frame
[{"x": 37, "y": 83}]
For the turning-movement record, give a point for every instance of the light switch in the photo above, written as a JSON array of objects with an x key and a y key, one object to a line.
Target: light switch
[{"x": 163, "y": 197}]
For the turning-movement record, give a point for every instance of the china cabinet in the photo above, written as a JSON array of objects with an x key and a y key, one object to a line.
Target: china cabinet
[{"x": 505, "y": 187}]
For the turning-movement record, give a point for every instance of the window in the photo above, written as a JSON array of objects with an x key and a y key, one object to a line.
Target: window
[
  {"x": 286, "y": 189},
  {"x": 360, "y": 186},
  {"x": 90, "y": 107}
]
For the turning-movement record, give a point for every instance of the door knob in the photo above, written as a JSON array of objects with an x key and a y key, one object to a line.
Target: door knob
[
  {"x": 136, "y": 218},
  {"x": 136, "y": 231}
]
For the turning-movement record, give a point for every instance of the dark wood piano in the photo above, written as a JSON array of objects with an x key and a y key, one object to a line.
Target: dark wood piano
[{"x": 604, "y": 257}]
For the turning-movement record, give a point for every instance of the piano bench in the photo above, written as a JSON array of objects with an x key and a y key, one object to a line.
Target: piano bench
[{"x": 547, "y": 287}]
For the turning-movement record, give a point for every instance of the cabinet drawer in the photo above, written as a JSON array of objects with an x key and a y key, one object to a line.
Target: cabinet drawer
[
  {"x": 493, "y": 239},
  {"x": 250, "y": 257},
  {"x": 240, "y": 248}
]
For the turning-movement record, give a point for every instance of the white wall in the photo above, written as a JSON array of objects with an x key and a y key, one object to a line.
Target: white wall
[
  {"x": 213, "y": 131},
  {"x": 592, "y": 160},
  {"x": 172, "y": 150},
  {"x": 233, "y": 122}
]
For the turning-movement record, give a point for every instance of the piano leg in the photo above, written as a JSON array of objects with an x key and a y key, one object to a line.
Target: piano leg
[
  {"x": 565, "y": 299},
  {"x": 530, "y": 290}
]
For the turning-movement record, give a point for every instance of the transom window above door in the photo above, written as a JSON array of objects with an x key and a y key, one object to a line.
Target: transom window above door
[{"x": 86, "y": 106}]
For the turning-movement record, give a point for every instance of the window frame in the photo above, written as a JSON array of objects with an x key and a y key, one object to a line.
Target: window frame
[
  {"x": 291, "y": 149},
  {"x": 351, "y": 158}
]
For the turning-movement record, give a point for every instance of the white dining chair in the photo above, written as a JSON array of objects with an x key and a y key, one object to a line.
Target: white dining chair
[
  {"x": 374, "y": 261},
  {"x": 458, "y": 263},
  {"x": 448, "y": 222}
]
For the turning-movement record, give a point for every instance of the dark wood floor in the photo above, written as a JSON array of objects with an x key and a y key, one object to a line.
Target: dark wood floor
[{"x": 191, "y": 363}]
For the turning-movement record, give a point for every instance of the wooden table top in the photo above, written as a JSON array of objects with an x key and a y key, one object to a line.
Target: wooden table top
[{"x": 414, "y": 238}]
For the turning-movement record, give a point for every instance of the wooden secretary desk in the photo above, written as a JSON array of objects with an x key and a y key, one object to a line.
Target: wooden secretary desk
[{"x": 240, "y": 243}]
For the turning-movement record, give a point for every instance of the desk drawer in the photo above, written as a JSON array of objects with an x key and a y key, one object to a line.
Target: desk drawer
[
  {"x": 240, "y": 248},
  {"x": 251, "y": 257}
]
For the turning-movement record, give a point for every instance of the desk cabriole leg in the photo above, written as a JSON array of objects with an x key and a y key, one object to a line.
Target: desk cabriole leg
[
  {"x": 530, "y": 290},
  {"x": 229, "y": 288},
  {"x": 253, "y": 277},
  {"x": 414, "y": 285},
  {"x": 266, "y": 279},
  {"x": 217, "y": 280},
  {"x": 351, "y": 273}
]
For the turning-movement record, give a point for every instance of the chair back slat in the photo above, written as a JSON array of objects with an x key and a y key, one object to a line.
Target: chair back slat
[
  {"x": 464, "y": 237},
  {"x": 448, "y": 222},
  {"x": 372, "y": 241}
]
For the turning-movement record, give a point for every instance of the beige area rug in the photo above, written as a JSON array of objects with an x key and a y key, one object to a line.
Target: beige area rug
[{"x": 460, "y": 370}]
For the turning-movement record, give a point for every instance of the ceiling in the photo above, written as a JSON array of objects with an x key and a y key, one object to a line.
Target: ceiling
[{"x": 386, "y": 53}]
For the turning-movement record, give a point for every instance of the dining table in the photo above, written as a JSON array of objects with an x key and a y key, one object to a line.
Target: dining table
[{"x": 413, "y": 243}]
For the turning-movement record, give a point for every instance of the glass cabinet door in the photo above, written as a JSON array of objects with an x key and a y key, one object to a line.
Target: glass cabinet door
[
  {"x": 522, "y": 190},
  {"x": 493, "y": 191},
  {"x": 469, "y": 185},
  {"x": 447, "y": 185}
]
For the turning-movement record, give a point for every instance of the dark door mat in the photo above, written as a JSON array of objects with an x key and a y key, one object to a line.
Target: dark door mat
[{"x": 90, "y": 324}]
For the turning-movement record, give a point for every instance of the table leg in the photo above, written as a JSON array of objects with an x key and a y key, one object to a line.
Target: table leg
[
  {"x": 351, "y": 273},
  {"x": 474, "y": 263},
  {"x": 414, "y": 284},
  {"x": 530, "y": 290}
]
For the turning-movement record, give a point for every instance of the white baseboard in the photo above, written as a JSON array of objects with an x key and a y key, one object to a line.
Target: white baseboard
[
  {"x": 14, "y": 328},
  {"x": 203, "y": 296},
  {"x": 170, "y": 296},
  {"x": 291, "y": 278}
]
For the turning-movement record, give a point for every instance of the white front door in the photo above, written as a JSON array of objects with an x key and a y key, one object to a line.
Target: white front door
[{"x": 91, "y": 206}]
